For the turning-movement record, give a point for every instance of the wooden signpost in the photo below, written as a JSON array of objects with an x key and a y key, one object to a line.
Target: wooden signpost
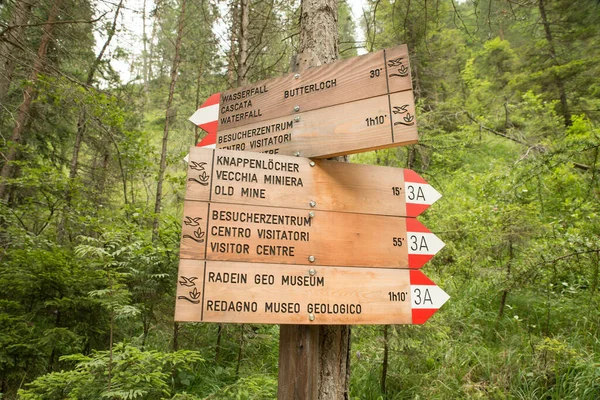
[
  {"x": 270, "y": 238},
  {"x": 260, "y": 179},
  {"x": 216, "y": 291},
  {"x": 233, "y": 232},
  {"x": 355, "y": 105}
]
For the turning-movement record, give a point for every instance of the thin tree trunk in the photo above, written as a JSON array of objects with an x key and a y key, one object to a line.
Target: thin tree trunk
[
  {"x": 198, "y": 84},
  {"x": 506, "y": 290},
  {"x": 165, "y": 141},
  {"x": 145, "y": 50},
  {"x": 562, "y": 94},
  {"x": 318, "y": 45},
  {"x": 231, "y": 68},
  {"x": 175, "y": 336},
  {"x": 101, "y": 179},
  {"x": 384, "y": 367},
  {"x": 151, "y": 52},
  {"x": 240, "y": 351},
  {"x": 15, "y": 34},
  {"x": 242, "y": 67},
  {"x": 82, "y": 120},
  {"x": 28, "y": 95},
  {"x": 218, "y": 344}
]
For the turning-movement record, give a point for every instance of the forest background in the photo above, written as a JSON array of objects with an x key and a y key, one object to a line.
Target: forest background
[{"x": 92, "y": 187}]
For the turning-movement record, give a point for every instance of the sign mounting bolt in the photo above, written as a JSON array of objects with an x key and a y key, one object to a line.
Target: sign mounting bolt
[
  {"x": 311, "y": 259},
  {"x": 312, "y": 163},
  {"x": 297, "y": 119},
  {"x": 297, "y": 153},
  {"x": 312, "y": 272},
  {"x": 296, "y": 108},
  {"x": 313, "y": 203},
  {"x": 311, "y": 317},
  {"x": 296, "y": 76},
  {"x": 311, "y": 214}
]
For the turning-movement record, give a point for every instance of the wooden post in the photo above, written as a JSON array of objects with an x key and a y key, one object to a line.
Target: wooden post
[
  {"x": 298, "y": 362},
  {"x": 313, "y": 360}
]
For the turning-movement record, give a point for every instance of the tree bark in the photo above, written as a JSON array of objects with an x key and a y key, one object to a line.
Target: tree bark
[
  {"x": 562, "y": 94},
  {"x": 330, "y": 363},
  {"x": 21, "y": 14},
  {"x": 242, "y": 67},
  {"x": 198, "y": 85},
  {"x": 386, "y": 351},
  {"x": 231, "y": 67},
  {"x": 145, "y": 52},
  {"x": 165, "y": 141},
  {"x": 28, "y": 95}
]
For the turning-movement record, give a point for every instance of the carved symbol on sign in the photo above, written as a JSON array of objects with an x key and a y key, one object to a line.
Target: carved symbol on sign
[
  {"x": 188, "y": 281},
  {"x": 402, "y": 70},
  {"x": 198, "y": 166},
  {"x": 407, "y": 119},
  {"x": 203, "y": 177},
  {"x": 194, "y": 294},
  {"x": 198, "y": 236},
  {"x": 192, "y": 221}
]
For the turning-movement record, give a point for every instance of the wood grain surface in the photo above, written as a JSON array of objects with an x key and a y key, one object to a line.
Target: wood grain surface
[
  {"x": 225, "y": 176},
  {"x": 233, "y": 232},
  {"x": 363, "y": 125},
  {"x": 345, "y": 81},
  {"x": 289, "y": 294}
]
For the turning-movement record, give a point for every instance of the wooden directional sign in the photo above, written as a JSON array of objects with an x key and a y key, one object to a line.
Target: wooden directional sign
[
  {"x": 214, "y": 291},
  {"x": 232, "y": 232},
  {"x": 353, "y": 105},
  {"x": 294, "y": 182}
]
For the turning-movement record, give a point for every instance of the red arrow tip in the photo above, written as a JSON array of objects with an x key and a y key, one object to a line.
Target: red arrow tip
[
  {"x": 414, "y": 210},
  {"x": 419, "y": 278},
  {"x": 421, "y": 315},
  {"x": 212, "y": 100},
  {"x": 413, "y": 225},
  {"x": 412, "y": 176},
  {"x": 418, "y": 260},
  {"x": 211, "y": 138}
]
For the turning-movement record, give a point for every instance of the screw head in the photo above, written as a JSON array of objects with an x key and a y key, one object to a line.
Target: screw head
[
  {"x": 296, "y": 108},
  {"x": 297, "y": 119},
  {"x": 311, "y": 214},
  {"x": 311, "y": 259},
  {"x": 312, "y": 163},
  {"x": 313, "y": 203},
  {"x": 312, "y": 272},
  {"x": 296, "y": 76},
  {"x": 297, "y": 153},
  {"x": 311, "y": 317}
]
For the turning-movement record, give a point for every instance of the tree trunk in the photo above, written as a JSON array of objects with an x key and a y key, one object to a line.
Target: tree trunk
[
  {"x": 175, "y": 336},
  {"x": 28, "y": 95},
  {"x": 330, "y": 364},
  {"x": 242, "y": 67},
  {"x": 562, "y": 94},
  {"x": 151, "y": 51},
  {"x": 218, "y": 344},
  {"x": 15, "y": 34},
  {"x": 334, "y": 362},
  {"x": 145, "y": 52},
  {"x": 165, "y": 141},
  {"x": 231, "y": 68},
  {"x": 82, "y": 121},
  {"x": 384, "y": 367},
  {"x": 198, "y": 84}
]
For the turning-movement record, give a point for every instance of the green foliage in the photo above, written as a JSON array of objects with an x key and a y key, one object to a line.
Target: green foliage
[
  {"x": 86, "y": 299},
  {"x": 126, "y": 373}
]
